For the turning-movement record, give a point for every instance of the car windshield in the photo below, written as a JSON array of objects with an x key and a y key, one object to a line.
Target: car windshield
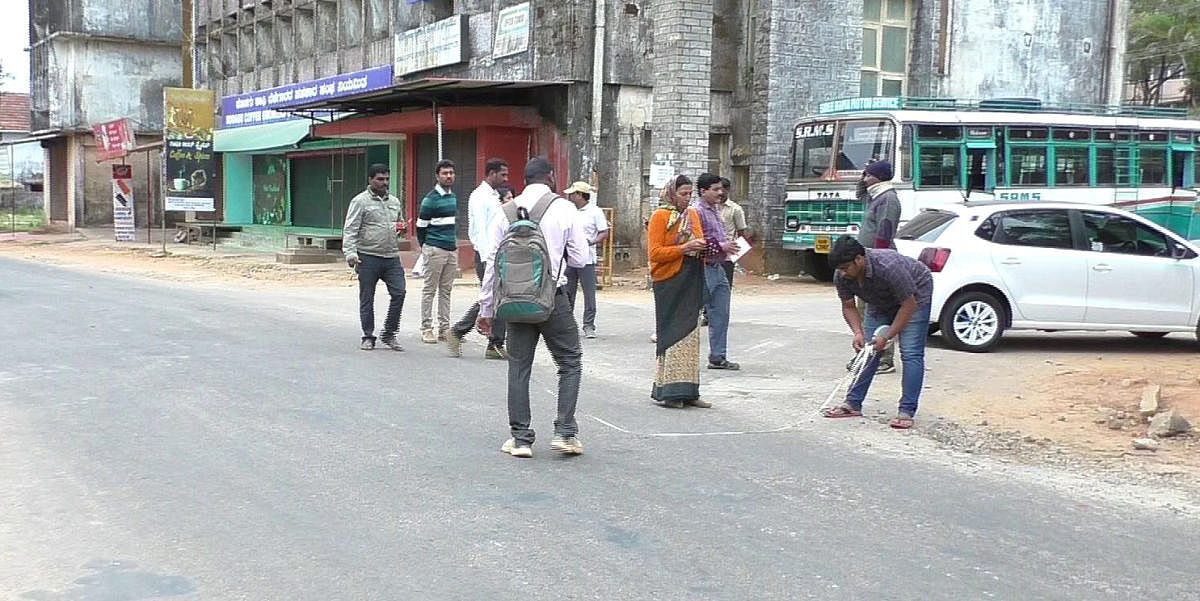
[
  {"x": 812, "y": 150},
  {"x": 926, "y": 226},
  {"x": 863, "y": 142}
]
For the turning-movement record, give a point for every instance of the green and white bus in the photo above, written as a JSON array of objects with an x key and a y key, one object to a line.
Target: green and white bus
[{"x": 945, "y": 151}]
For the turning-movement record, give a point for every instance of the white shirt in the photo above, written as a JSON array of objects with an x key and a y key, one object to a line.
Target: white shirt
[
  {"x": 481, "y": 207},
  {"x": 592, "y": 220},
  {"x": 560, "y": 227}
]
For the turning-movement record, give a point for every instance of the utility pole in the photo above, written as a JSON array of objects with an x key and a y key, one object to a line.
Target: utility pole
[{"x": 187, "y": 42}]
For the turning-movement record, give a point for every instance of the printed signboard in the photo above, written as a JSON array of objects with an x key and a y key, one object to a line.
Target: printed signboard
[
  {"x": 512, "y": 31},
  {"x": 124, "y": 228},
  {"x": 434, "y": 45},
  {"x": 113, "y": 139},
  {"x": 256, "y": 108},
  {"x": 189, "y": 167}
]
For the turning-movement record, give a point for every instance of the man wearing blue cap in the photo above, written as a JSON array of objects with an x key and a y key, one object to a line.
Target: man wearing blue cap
[{"x": 880, "y": 221}]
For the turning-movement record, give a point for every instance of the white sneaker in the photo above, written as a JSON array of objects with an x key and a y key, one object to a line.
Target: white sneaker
[
  {"x": 567, "y": 445},
  {"x": 522, "y": 451}
]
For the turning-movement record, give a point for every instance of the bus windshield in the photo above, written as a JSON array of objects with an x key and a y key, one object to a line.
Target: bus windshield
[
  {"x": 857, "y": 142},
  {"x": 862, "y": 141},
  {"x": 811, "y": 150}
]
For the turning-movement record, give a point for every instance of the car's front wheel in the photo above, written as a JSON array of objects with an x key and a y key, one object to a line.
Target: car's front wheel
[{"x": 973, "y": 322}]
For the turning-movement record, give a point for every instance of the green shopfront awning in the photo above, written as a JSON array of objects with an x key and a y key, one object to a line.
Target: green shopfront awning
[{"x": 261, "y": 137}]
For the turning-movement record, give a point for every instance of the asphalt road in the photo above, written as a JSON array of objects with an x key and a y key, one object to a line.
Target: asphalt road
[{"x": 174, "y": 442}]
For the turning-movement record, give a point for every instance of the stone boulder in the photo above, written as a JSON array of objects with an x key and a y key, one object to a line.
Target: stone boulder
[
  {"x": 1151, "y": 398},
  {"x": 1168, "y": 423}
]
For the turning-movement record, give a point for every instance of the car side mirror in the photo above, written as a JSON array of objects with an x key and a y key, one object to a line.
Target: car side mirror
[{"x": 1179, "y": 253}]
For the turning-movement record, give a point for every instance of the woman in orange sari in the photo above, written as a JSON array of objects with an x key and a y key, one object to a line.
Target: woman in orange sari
[{"x": 675, "y": 240}]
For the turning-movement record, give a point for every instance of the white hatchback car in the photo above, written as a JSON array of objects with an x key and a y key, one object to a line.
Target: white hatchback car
[{"x": 1052, "y": 266}]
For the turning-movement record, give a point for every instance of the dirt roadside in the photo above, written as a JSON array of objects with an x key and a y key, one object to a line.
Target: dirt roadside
[{"x": 1040, "y": 397}]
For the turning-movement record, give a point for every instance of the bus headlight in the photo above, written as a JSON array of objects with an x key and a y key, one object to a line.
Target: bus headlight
[{"x": 792, "y": 224}]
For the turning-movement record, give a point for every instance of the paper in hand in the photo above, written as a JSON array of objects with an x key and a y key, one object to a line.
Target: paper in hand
[{"x": 743, "y": 248}]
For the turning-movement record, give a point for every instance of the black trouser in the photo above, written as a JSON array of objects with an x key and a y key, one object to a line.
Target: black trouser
[
  {"x": 467, "y": 323},
  {"x": 370, "y": 270},
  {"x": 562, "y": 338}
]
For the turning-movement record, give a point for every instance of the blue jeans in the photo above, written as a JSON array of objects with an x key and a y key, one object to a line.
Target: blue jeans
[
  {"x": 718, "y": 311},
  {"x": 912, "y": 358}
]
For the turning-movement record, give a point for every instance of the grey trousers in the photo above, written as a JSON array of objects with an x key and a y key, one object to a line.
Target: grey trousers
[
  {"x": 467, "y": 323},
  {"x": 562, "y": 338},
  {"x": 583, "y": 276},
  {"x": 370, "y": 270}
]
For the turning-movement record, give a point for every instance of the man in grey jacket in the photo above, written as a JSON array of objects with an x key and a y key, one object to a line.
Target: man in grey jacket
[
  {"x": 881, "y": 218},
  {"x": 369, "y": 241}
]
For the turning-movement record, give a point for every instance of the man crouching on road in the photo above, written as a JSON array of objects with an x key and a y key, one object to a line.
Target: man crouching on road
[{"x": 897, "y": 291}]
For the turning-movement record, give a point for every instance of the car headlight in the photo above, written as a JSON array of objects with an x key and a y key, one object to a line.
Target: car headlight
[{"x": 792, "y": 224}]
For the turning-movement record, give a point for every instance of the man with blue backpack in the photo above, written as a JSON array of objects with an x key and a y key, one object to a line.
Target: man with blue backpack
[{"x": 538, "y": 238}]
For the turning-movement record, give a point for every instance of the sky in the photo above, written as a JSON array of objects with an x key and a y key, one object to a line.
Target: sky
[{"x": 14, "y": 38}]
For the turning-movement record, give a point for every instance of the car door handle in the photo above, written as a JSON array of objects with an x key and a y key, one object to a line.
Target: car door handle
[
  {"x": 1101, "y": 267},
  {"x": 1011, "y": 261}
]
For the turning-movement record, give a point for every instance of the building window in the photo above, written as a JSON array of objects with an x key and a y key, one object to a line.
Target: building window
[{"x": 885, "y": 47}]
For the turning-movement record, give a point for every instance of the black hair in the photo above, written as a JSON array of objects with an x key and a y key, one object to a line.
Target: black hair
[
  {"x": 376, "y": 169},
  {"x": 725, "y": 183},
  {"x": 682, "y": 180},
  {"x": 538, "y": 170},
  {"x": 494, "y": 165},
  {"x": 444, "y": 164},
  {"x": 845, "y": 250},
  {"x": 706, "y": 181}
]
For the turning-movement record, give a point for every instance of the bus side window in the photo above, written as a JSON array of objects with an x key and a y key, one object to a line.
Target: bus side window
[
  {"x": 906, "y": 152},
  {"x": 940, "y": 166}
]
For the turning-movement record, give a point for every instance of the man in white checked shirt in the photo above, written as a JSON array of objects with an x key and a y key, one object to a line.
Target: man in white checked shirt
[{"x": 567, "y": 244}]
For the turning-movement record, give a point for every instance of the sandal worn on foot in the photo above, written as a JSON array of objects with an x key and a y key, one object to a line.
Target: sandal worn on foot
[
  {"x": 841, "y": 411},
  {"x": 902, "y": 422}
]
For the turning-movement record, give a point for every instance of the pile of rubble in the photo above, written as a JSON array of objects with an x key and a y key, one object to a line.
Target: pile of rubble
[{"x": 1160, "y": 422}]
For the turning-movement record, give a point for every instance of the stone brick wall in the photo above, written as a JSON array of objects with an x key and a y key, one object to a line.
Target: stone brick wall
[
  {"x": 802, "y": 56},
  {"x": 682, "y": 62}
]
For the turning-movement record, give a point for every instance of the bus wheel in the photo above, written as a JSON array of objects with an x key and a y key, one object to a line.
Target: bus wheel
[{"x": 818, "y": 266}]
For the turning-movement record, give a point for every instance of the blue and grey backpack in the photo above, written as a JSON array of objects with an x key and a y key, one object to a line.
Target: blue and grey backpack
[{"x": 525, "y": 282}]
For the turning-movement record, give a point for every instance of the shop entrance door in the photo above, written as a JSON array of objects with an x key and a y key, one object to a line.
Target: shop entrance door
[
  {"x": 458, "y": 146},
  {"x": 323, "y": 185}
]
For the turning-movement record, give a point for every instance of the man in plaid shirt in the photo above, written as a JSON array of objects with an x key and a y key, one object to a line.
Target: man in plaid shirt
[{"x": 719, "y": 247}]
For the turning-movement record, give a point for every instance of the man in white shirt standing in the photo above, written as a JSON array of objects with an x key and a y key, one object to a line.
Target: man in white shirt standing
[
  {"x": 564, "y": 238},
  {"x": 482, "y": 207},
  {"x": 595, "y": 228}
]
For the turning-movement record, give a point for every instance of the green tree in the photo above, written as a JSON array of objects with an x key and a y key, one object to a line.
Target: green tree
[{"x": 1164, "y": 44}]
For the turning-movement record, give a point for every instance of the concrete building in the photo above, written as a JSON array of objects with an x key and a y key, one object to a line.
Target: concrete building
[
  {"x": 609, "y": 88},
  {"x": 94, "y": 61}
]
